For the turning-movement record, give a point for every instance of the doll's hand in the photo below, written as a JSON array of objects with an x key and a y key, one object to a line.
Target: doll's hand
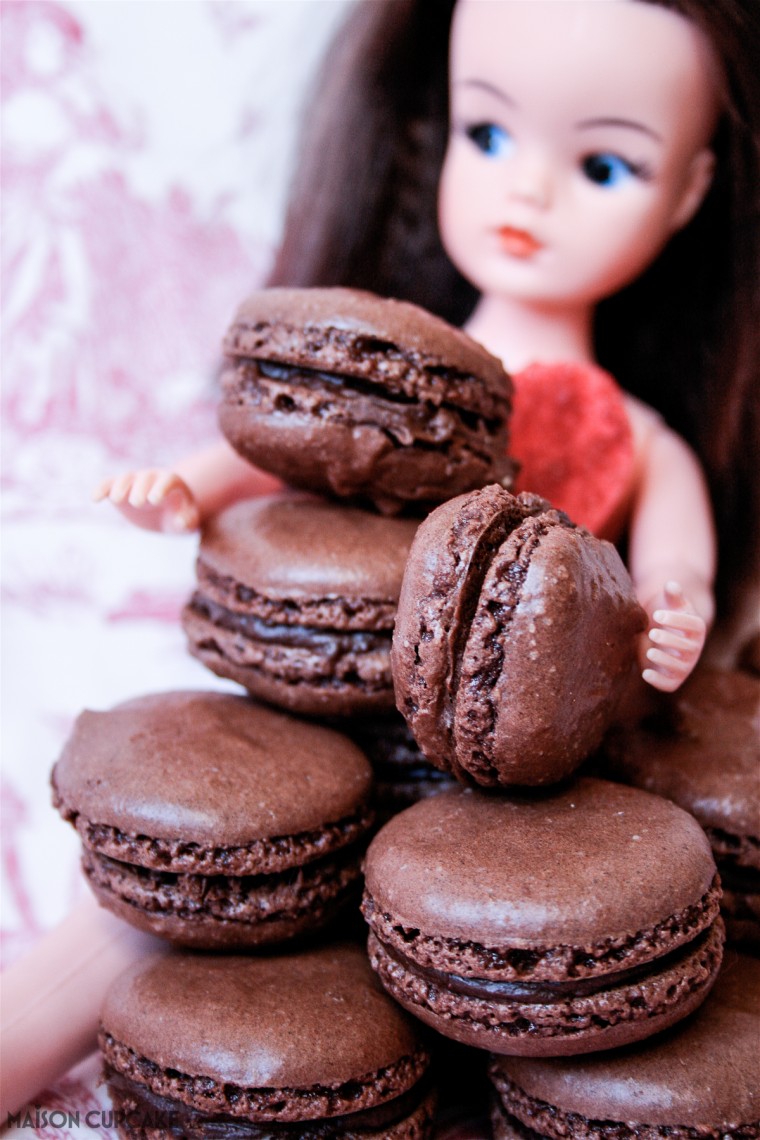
[
  {"x": 155, "y": 499},
  {"x": 674, "y": 640}
]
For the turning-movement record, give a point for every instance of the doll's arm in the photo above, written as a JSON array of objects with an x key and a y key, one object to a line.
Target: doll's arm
[
  {"x": 671, "y": 551},
  {"x": 179, "y": 500},
  {"x": 51, "y": 998}
]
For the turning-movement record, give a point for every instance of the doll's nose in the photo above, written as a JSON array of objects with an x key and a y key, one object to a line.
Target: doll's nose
[{"x": 530, "y": 180}]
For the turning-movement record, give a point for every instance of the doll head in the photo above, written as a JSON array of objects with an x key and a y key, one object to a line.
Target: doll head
[
  {"x": 683, "y": 334},
  {"x": 578, "y": 145}
]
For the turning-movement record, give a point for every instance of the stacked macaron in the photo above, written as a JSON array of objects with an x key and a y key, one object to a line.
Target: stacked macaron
[
  {"x": 515, "y": 908},
  {"x": 221, "y": 823},
  {"x": 378, "y": 405},
  {"x": 556, "y": 915},
  {"x": 214, "y": 821},
  {"x": 702, "y": 750},
  {"x": 362, "y": 397},
  {"x": 303, "y": 1045},
  {"x": 382, "y": 409},
  {"x": 700, "y": 1079}
]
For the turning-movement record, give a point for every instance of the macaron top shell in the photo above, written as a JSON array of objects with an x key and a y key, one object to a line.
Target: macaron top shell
[
  {"x": 587, "y": 863},
  {"x": 514, "y": 636},
  {"x": 316, "y": 1017},
  {"x": 209, "y": 768},
  {"x": 703, "y": 1073},
  {"x": 356, "y": 333},
  {"x": 302, "y": 547},
  {"x": 704, "y": 755}
]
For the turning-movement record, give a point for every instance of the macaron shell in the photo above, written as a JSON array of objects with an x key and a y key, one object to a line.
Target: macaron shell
[
  {"x": 586, "y": 864},
  {"x": 447, "y": 550},
  {"x": 704, "y": 755},
  {"x": 209, "y": 768},
  {"x": 301, "y": 548},
  {"x": 337, "y": 329},
  {"x": 608, "y": 1019},
  {"x": 363, "y": 397},
  {"x": 563, "y": 644},
  {"x": 220, "y": 913},
  {"x": 306, "y": 680},
  {"x": 290, "y": 1021},
  {"x": 365, "y": 450},
  {"x": 700, "y": 1074},
  {"x": 514, "y": 636}
]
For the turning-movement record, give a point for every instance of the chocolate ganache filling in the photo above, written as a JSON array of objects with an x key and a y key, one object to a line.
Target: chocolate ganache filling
[
  {"x": 329, "y": 643},
  {"x": 429, "y": 421},
  {"x": 247, "y": 898},
  {"x": 144, "y": 1109},
  {"x": 546, "y": 993}
]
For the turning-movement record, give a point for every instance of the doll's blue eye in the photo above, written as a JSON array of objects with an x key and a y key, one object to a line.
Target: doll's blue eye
[
  {"x": 489, "y": 138},
  {"x": 607, "y": 169}
]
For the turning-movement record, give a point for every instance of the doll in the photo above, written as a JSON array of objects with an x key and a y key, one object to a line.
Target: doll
[
  {"x": 622, "y": 240},
  {"x": 679, "y": 329}
]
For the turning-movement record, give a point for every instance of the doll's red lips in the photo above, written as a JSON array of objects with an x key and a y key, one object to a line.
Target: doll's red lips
[{"x": 518, "y": 243}]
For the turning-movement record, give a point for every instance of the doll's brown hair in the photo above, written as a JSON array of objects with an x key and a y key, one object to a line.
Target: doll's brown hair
[{"x": 684, "y": 337}]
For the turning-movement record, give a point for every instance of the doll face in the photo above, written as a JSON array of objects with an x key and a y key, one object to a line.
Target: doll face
[{"x": 579, "y": 143}]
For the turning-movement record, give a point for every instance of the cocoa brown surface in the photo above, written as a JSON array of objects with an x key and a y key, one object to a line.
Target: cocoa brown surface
[
  {"x": 301, "y": 560},
  {"x": 698, "y": 1078},
  {"x": 514, "y": 638},
  {"x": 362, "y": 397},
  {"x": 223, "y": 912},
  {"x": 314, "y": 1025},
  {"x": 703, "y": 752},
  {"x": 362, "y": 335},
  {"x": 210, "y": 769},
  {"x": 293, "y": 667},
  {"x": 590, "y": 867},
  {"x": 669, "y": 990},
  {"x": 296, "y": 601}
]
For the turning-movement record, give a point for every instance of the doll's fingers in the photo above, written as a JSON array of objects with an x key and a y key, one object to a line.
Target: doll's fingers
[
  {"x": 140, "y": 491},
  {"x": 120, "y": 488},
  {"x": 102, "y": 491},
  {"x": 664, "y": 682},
  {"x": 682, "y": 620},
  {"x": 163, "y": 483},
  {"x": 677, "y": 666},
  {"x": 672, "y": 641}
]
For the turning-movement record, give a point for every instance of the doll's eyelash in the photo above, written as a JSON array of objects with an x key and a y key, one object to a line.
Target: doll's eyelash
[
  {"x": 488, "y": 137},
  {"x": 604, "y": 168}
]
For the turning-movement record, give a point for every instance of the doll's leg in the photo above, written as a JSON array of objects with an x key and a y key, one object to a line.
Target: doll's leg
[{"x": 51, "y": 999}]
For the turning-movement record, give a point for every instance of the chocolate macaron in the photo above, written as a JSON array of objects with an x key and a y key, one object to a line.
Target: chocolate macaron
[
  {"x": 700, "y": 1079},
  {"x": 296, "y": 600},
  {"x": 544, "y": 925},
  {"x": 703, "y": 752},
  {"x": 213, "y": 821},
  {"x": 300, "y": 1045},
  {"x": 515, "y": 636},
  {"x": 362, "y": 397}
]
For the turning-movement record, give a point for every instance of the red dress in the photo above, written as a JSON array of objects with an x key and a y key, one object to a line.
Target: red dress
[{"x": 572, "y": 437}]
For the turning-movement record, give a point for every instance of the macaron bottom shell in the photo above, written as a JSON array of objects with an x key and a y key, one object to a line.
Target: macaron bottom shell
[
  {"x": 144, "y": 1115},
  {"x": 298, "y": 1044},
  {"x": 626, "y": 1011},
  {"x": 698, "y": 1079},
  {"x": 217, "y": 912},
  {"x": 329, "y": 673},
  {"x": 345, "y": 437}
]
